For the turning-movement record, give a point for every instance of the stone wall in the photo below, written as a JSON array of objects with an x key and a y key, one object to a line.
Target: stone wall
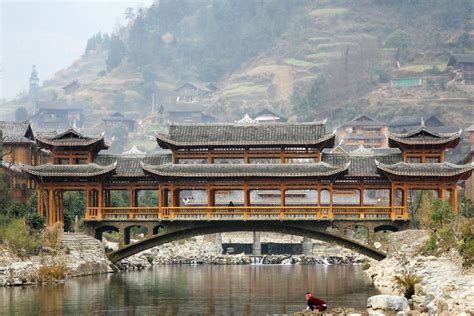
[{"x": 79, "y": 254}]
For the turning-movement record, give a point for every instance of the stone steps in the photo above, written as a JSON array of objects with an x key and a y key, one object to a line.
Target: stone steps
[{"x": 84, "y": 244}]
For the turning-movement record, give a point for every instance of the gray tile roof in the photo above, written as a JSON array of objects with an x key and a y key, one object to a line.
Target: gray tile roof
[
  {"x": 130, "y": 166},
  {"x": 363, "y": 120},
  {"x": 461, "y": 58},
  {"x": 423, "y": 136},
  {"x": 244, "y": 170},
  {"x": 364, "y": 165},
  {"x": 442, "y": 169},
  {"x": 71, "y": 137},
  {"x": 85, "y": 170},
  {"x": 16, "y": 132},
  {"x": 277, "y": 134}
]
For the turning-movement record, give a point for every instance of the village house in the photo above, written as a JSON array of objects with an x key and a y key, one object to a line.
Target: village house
[
  {"x": 191, "y": 92},
  {"x": 269, "y": 116},
  {"x": 409, "y": 122},
  {"x": 48, "y": 119},
  {"x": 118, "y": 119},
  {"x": 19, "y": 147},
  {"x": 363, "y": 130},
  {"x": 463, "y": 65},
  {"x": 186, "y": 113}
]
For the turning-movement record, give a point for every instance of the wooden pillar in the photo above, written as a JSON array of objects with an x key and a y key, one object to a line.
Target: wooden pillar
[
  {"x": 51, "y": 208},
  {"x": 60, "y": 206},
  {"x": 405, "y": 201},
  {"x": 330, "y": 214},
  {"x": 246, "y": 156},
  {"x": 132, "y": 197},
  {"x": 441, "y": 195},
  {"x": 283, "y": 201},
  {"x": 99, "y": 200},
  {"x": 361, "y": 201},
  {"x": 40, "y": 199},
  {"x": 282, "y": 156},
  {"x": 246, "y": 200},
  {"x": 453, "y": 197},
  {"x": 392, "y": 201},
  {"x": 210, "y": 200}
]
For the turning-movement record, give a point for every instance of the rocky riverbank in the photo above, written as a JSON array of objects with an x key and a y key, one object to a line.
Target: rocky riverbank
[
  {"x": 445, "y": 289},
  {"x": 78, "y": 255},
  {"x": 147, "y": 260}
]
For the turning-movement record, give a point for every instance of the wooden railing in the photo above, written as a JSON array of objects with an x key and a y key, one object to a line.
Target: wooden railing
[{"x": 247, "y": 213}]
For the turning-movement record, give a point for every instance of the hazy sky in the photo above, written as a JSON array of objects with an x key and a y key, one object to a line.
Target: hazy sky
[{"x": 51, "y": 35}]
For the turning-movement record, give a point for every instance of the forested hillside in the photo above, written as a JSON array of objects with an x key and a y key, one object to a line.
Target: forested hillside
[{"x": 308, "y": 59}]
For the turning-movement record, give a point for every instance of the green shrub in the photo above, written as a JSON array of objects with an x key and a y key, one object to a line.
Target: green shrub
[
  {"x": 35, "y": 221},
  {"x": 19, "y": 238},
  {"x": 430, "y": 246},
  {"x": 149, "y": 259}
]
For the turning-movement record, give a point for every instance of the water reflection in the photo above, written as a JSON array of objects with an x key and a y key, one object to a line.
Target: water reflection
[{"x": 194, "y": 290}]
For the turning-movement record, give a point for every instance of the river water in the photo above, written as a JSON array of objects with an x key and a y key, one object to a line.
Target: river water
[{"x": 194, "y": 290}]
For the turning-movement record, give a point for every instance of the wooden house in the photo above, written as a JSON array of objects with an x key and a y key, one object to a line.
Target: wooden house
[
  {"x": 191, "y": 92},
  {"x": 48, "y": 119},
  {"x": 363, "y": 130},
  {"x": 464, "y": 63},
  {"x": 409, "y": 122},
  {"x": 19, "y": 147},
  {"x": 118, "y": 119}
]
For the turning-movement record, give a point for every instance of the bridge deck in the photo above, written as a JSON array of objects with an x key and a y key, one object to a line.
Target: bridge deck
[{"x": 242, "y": 213}]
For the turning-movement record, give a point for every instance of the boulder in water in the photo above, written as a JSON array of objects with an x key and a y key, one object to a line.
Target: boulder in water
[{"x": 388, "y": 303}]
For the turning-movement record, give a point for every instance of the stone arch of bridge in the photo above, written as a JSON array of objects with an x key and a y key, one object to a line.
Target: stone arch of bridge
[
  {"x": 390, "y": 228},
  {"x": 174, "y": 231},
  {"x": 99, "y": 231}
]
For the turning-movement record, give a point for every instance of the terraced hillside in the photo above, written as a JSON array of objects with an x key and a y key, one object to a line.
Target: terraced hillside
[{"x": 334, "y": 59}]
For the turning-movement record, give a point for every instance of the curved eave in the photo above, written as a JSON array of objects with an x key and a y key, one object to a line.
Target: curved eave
[
  {"x": 164, "y": 171},
  {"x": 449, "y": 142},
  {"x": 67, "y": 171},
  {"x": 448, "y": 169},
  {"x": 164, "y": 141},
  {"x": 97, "y": 143}
]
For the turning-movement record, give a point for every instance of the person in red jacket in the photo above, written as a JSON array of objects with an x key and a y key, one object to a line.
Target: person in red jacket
[{"x": 315, "y": 303}]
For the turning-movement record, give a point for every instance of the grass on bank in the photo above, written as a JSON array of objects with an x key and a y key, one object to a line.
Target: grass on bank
[
  {"x": 300, "y": 63},
  {"x": 419, "y": 68},
  {"x": 244, "y": 88},
  {"x": 327, "y": 12}
]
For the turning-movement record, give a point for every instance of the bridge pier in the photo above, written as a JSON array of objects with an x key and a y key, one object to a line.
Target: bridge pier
[
  {"x": 256, "y": 245},
  {"x": 307, "y": 246}
]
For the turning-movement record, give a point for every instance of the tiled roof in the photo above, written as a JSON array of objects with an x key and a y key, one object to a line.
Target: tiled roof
[
  {"x": 423, "y": 136},
  {"x": 71, "y": 137},
  {"x": 363, "y": 120},
  {"x": 462, "y": 58},
  {"x": 244, "y": 170},
  {"x": 199, "y": 135},
  {"x": 16, "y": 132},
  {"x": 85, "y": 170},
  {"x": 441, "y": 169},
  {"x": 130, "y": 166},
  {"x": 363, "y": 165}
]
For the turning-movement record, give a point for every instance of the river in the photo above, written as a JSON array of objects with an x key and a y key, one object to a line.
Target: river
[{"x": 194, "y": 290}]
